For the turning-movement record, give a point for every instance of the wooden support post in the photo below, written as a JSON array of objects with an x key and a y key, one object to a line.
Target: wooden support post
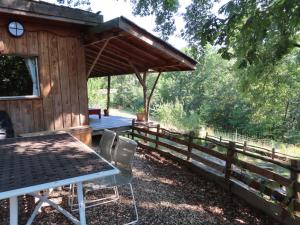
[
  {"x": 143, "y": 81},
  {"x": 295, "y": 177},
  {"x": 191, "y": 138},
  {"x": 150, "y": 96},
  {"x": 157, "y": 137},
  {"x": 108, "y": 95},
  {"x": 132, "y": 128},
  {"x": 229, "y": 160}
]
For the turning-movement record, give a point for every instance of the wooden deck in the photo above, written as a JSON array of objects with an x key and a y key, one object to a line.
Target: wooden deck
[{"x": 117, "y": 123}]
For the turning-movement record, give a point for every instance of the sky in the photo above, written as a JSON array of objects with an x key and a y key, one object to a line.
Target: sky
[{"x": 114, "y": 8}]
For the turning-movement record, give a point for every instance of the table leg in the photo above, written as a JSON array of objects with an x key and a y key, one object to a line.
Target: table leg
[
  {"x": 13, "y": 210},
  {"x": 44, "y": 199},
  {"x": 81, "y": 204},
  {"x": 35, "y": 212}
]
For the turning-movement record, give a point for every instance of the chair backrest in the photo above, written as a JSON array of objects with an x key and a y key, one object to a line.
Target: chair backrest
[
  {"x": 106, "y": 143},
  {"x": 124, "y": 153},
  {"x": 6, "y": 126}
]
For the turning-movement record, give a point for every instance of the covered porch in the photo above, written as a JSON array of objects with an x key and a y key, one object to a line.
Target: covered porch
[
  {"x": 120, "y": 47},
  {"x": 116, "y": 121}
]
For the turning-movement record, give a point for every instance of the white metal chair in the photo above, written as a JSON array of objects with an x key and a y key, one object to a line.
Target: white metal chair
[
  {"x": 106, "y": 144},
  {"x": 105, "y": 151},
  {"x": 123, "y": 159}
]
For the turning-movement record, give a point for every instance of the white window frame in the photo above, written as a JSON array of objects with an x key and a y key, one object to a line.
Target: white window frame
[{"x": 37, "y": 81}]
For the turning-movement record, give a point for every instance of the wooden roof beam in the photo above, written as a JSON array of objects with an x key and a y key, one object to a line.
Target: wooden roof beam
[
  {"x": 112, "y": 61},
  {"x": 97, "y": 58},
  {"x": 138, "y": 74},
  {"x": 102, "y": 68},
  {"x": 101, "y": 71},
  {"x": 155, "y": 42},
  {"x": 128, "y": 45},
  {"x": 121, "y": 54},
  {"x": 112, "y": 65},
  {"x": 147, "y": 41},
  {"x": 128, "y": 55},
  {"x": 100, "y": 38},
  {"x": 109, "y": 67},
  {"x": 153, "y": 88}
]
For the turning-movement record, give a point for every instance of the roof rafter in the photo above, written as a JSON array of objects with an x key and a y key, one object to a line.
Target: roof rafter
[{"x": 97, "y": 58}]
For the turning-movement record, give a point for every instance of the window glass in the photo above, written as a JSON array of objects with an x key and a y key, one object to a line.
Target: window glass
[
  {"x": 18, "y": 76},
  {"x": 16, "y": 29}
]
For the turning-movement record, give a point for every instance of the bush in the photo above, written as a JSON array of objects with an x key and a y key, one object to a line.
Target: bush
[{"x": 173, "y": 114}]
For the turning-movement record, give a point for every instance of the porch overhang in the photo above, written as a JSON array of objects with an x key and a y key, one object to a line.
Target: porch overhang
[{"x": 118, "y": 46}]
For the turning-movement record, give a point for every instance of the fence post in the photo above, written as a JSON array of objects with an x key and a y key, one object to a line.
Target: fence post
[
  {"x": 295, "y": 177},
  {"x": 229, "y": 160},
  {"x": 273, "y": 153},
  {"x": 157, "y": 137},
  {"x": 220, "y": 139},
  {"x": 245, "y": 146},
  {"x": 190, "y": 142},
  {"x": 132, "y": 126}
]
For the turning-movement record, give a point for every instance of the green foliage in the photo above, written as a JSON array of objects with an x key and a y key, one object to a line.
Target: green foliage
[
  {"x": 216, "y": 96},
  {"x": 256, "y": 33},
  {"x": 164, "y": 11},
  {"x": 15, "y": 79},
  {"x": 141, "y": 110},
  {"x": 173, "y": 114},
  {"x": 97, "y": 92},
  {"x": 128, "y": 93}
]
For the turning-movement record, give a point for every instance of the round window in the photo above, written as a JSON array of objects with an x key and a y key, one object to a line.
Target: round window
[{"x": 16, "y": 29}]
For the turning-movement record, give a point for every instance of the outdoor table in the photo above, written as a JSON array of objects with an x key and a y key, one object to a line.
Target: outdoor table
[
  {"x": 95, "y": 111},
  {"x": 32, "y": 164}
]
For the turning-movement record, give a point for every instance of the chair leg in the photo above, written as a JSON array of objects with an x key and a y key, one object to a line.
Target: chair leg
[
  {"x": 71, "y": 196},
  {"x": 135, "y": 208},
  {"x": 116, "y": 192},
  {"x": 92, "y": 203}
]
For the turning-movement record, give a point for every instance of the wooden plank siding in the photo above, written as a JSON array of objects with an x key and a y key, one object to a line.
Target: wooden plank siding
[
  {"x": 82, "y": 83},
  {"x": 62, "y": 76},
  {"x": 65, "y": 82}
]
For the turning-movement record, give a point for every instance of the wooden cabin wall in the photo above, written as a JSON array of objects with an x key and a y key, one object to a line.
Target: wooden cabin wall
[{"x": 62, "y": 75}]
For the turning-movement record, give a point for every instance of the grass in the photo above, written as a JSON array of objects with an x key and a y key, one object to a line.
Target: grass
[
  {"x": 291, "y": 151},
  {"x": 285, "y": 149}
]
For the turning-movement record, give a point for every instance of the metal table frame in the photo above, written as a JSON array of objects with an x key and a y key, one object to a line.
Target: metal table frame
[{"x": 32, "y": 190}]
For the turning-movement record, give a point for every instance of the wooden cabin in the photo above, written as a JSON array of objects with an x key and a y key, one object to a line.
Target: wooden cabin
[{"x": 47, "y": 53}]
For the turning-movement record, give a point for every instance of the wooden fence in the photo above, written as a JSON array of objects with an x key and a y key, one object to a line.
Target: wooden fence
[{"x": 234, "y": 162}]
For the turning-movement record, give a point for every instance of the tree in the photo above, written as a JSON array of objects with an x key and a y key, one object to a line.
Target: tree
[
  {"x": 163, "y": 10},
  {"x": 254, "y": 32}
]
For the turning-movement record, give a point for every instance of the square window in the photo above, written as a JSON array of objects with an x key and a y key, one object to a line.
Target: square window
[{"x": 18, "y": 76}]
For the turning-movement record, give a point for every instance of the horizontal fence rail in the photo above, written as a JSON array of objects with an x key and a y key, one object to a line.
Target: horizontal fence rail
[{"x": 273, "y": 177}]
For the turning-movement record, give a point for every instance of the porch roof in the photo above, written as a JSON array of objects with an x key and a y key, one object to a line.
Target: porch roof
[{"x": 119, "y": 47}]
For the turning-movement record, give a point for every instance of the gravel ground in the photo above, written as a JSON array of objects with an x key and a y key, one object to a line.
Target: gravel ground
[{"x": 166, "y": 193}]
